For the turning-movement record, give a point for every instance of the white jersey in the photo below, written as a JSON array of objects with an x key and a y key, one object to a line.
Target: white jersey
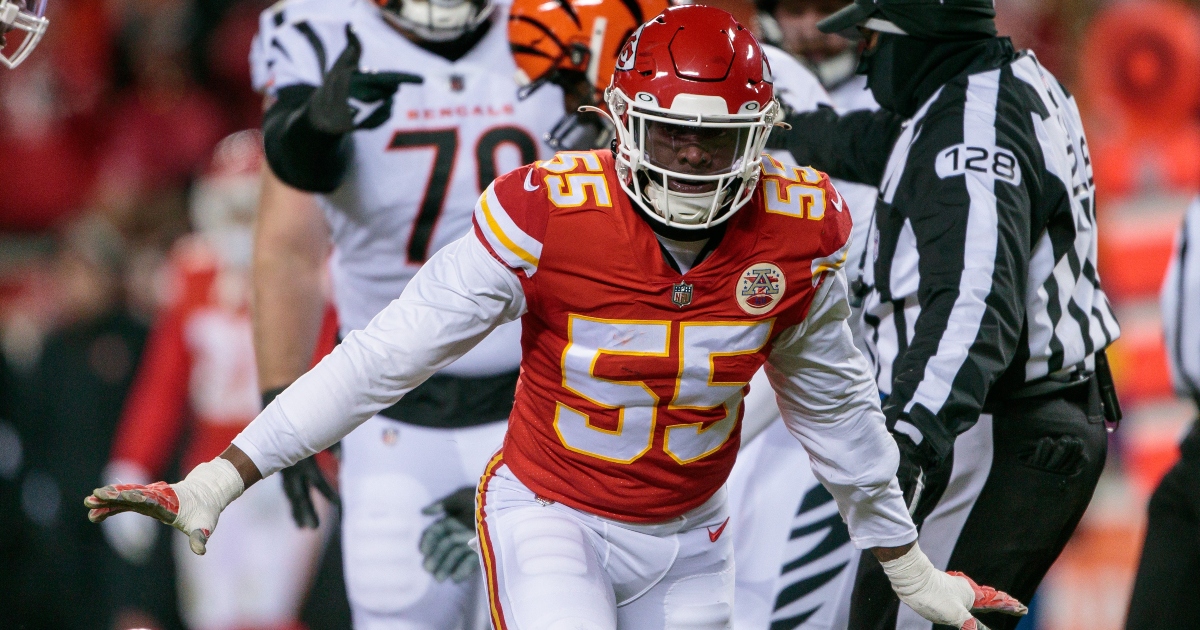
[
  {"x": 794, "y": 84},
  {"x": 1181, "y": 307},
  {"x": 413, "y": 182},
  {"x": 853, "y": 94}
]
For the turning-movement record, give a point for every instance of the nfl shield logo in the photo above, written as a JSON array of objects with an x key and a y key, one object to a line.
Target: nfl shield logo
[
  {"x": 457, "y": 82},
  {"x": 681, "y": 294}
]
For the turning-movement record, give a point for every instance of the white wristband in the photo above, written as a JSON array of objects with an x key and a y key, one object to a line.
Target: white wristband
[
  {"x": 933, "y": 594},
  {"x": 203, "y": 494}
]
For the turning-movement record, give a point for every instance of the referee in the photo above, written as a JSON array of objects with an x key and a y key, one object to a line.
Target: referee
[
  {"x": 1166, "y": 593},
  {"x": 983, "y": 309}
]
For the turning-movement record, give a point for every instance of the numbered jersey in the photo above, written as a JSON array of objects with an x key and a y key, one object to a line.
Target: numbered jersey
[
  {"x": 630, "y": 398},
  {"x": 415, "y": 179}
]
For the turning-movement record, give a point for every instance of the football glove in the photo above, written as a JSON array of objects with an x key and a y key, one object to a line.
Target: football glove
[
  {"x": 446, "y": 544},
  {"x": 350, "y": 99},
  {"x": 299, "y": 480},
  {"x": 945, "y": 598},
  {"x": 192, "y": 506},
  {"x": 916, "y": 461}
]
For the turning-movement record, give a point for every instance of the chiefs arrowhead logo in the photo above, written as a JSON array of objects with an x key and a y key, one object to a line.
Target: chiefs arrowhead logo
[{"x": 629, "y": 51}]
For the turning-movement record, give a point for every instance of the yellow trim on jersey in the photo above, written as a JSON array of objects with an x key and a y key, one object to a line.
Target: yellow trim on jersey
[{"x": 495, "y": 230}]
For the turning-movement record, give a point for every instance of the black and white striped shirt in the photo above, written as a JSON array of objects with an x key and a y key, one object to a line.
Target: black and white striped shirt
[
  {"x": 981, "y": 274},
  {"x": 1181, "y": 307}
]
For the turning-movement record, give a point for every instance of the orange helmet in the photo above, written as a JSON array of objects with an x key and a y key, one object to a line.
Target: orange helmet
[{"x": 549, "y": 37}]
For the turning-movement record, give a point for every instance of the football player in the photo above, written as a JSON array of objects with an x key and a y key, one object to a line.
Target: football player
[
  {"x": 29, "y": 18},
  {"x": 196, "y": 383},
  {"x": 605, "y": 507},
  {"x": 396, "y": 114},
  {"x": 574, "y": 44}
]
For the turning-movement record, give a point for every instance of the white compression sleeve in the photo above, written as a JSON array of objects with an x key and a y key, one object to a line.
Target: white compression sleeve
[
  {"x": 453, "y": 302},
  {"x": 830, "y": 403}
]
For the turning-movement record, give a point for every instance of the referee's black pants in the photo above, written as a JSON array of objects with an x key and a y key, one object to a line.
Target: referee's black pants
[
  {"x": 1002, "y": 506},
  {"x": 1166, "y": 593}
]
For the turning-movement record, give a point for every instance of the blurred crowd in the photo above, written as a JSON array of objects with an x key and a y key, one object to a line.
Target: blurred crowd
[{"x": 106, "y": 128}]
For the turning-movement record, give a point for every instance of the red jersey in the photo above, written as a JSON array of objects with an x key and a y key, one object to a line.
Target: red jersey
[
  {"x": 630, "y": 398},
  {"x": 198, "y": 366}
]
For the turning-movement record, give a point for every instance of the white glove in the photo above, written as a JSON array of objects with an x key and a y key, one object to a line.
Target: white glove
[
  {"x": 129, "y": 534},
  {"x": 192, "y": 506},
  {"x": 945, "y": 598}
]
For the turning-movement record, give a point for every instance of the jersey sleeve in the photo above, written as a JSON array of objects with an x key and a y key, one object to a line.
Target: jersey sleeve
[
  {"x": 292, "y": 48},
  {"x": 156, "y": 407},
  {"x": 829, "y": 401},
  {"x": 456, "y": 299},
  {"x": 511, "y": 217}
]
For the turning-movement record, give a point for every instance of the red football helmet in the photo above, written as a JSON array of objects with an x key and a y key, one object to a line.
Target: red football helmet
[
  {"x": 27, "y": 16},
  {"x": 224, "y": 202},
  {"x": 693, "y": 102}
]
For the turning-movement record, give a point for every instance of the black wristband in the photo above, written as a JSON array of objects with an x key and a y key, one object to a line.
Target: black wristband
[{"x": 270, "y": 395}]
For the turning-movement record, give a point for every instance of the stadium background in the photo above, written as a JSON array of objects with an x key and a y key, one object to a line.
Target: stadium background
[{"x": 106, "y": 126}]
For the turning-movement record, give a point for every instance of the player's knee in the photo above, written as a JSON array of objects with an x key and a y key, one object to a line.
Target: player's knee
[{"x": 701, "y": 602}]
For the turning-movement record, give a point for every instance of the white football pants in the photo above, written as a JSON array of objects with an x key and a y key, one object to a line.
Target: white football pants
[
  {"x": 389, "y": 472},
  {"x": 552, "y": 567},
  {"x": 257, "y": 567}
]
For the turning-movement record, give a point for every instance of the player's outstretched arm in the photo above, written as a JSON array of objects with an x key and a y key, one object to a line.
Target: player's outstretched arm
[
  {"x": 830, "y": 403},
  {"x": 459, "y": 296}
]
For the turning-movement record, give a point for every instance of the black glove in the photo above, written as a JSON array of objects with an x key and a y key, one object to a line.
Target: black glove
[
  {"x": 329, "y": 107},
  {"x": 916, "y": 462},
  {"x": 299, "y": 479},
  {"x": 446, "y": 544}
]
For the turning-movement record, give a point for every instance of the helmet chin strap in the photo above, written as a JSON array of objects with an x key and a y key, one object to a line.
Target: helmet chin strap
[
  {"x": 677, "y": 207},
  {"x": 685, "y": 210}
]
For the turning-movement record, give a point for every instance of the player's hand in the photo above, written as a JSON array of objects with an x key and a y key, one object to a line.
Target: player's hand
[
  {"x": 945, "y": 598},
  {"x": 131, "y": 535},
  {"x": 192, "y": 506},
  {"x": 350, "y": 99},
  {"x": 446, "y": 544},
  {"x": 298, "y": 481},
  {"x": 915, "y": 463}
]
